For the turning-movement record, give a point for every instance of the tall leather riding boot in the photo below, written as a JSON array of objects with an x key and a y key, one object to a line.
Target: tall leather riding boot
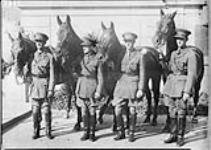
[
  {"x": 166, "y": 128},
  {"x": 48, "y": 125},
  {"x": 173, "y": 133},
  {"x": 92, "y": 128},
  {"x": 36, "y": 126},
  {"x": 86, "y": 128},
  {"x": 128, "y": 118},
  {"x": 120, "y": 128},
  {"x": 181, "y": 131},
  {"x": 132, "y": 127}
]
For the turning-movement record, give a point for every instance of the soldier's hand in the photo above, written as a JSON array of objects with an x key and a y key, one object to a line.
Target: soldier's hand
[
  {"x": 97, "y": 95},
  {"x": 140, "y": 94},
  {"x": 185, "y": 96},
  {"x": 50, "y": 94}
]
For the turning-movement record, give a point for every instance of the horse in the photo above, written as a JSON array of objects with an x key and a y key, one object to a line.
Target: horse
[
  {"x": 114, "y": 52},
  {"x": 68, "y": 54}
]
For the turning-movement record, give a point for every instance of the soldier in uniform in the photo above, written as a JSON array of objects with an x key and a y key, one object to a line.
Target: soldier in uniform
[
  {"x": 127, "y": 90},
  {"x": 185, "y": 69},
  {"x": 89, "y": 87},
  {"x": 42, "y": 72}
]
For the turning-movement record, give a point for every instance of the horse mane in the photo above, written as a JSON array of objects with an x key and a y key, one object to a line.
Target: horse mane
[{"x": 74, "y": 49}]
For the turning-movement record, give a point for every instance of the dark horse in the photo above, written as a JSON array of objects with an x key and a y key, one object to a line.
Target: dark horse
[
  {"x": 114, "y": 52},
  {"x": 68, "y": 53}
]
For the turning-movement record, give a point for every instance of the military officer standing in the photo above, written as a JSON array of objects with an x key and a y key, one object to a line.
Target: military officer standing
[
  {"x": 42, "y": 72},
  {"x": 89, "y": 87},
  {"x": 127, "y": 88},
  {"x": 185, "y": 69}
]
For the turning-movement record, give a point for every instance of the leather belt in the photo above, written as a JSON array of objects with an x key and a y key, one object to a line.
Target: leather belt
[
  {"x": 88, "y": 76},
  {"x": 130, "y": 74},
  {"x": 180, "y": 73},
  {"x": 40, "y": 75}
]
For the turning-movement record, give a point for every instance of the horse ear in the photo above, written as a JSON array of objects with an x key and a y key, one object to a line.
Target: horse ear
[
  {"x": 103, "y": 26},
  {"x": 68, "y": 19},
  {"x": 20, "y": 36},
  {"x": 173, "y": 14},
  {"x": 162, "y": 12},
  {"x": 59, "y": 20},
  {"x": 111, "y": 25},
  {"x": 10, "y": 37}
]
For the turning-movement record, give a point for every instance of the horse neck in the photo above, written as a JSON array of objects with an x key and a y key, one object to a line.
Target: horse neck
[
  {"x": 74, "y": 36},
  {"x": 171, "y": 45},
  {"x": 116, "y": 53}
]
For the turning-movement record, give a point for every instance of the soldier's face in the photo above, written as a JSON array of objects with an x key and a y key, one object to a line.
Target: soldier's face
[
  {"x": 39, "y": 44},
  {"x": 181, "y": 42},
  {"x": 129, "y": 44}
]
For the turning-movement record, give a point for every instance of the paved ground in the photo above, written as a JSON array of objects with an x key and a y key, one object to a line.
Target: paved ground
[
  {"x": 147, "y": 136},
  {"x": 13, "y": 99}
]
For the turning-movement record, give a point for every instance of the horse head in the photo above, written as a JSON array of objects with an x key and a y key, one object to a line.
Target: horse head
[
  {"x": 112, "y": 48},
  {"x": 68, "y": 47},
  {"x": 165, "y": 28},
  {"x": 21, "y": 52}
]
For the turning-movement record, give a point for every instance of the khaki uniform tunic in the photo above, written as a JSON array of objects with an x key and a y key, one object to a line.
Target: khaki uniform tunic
[{"x": 42, "y": 70}]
